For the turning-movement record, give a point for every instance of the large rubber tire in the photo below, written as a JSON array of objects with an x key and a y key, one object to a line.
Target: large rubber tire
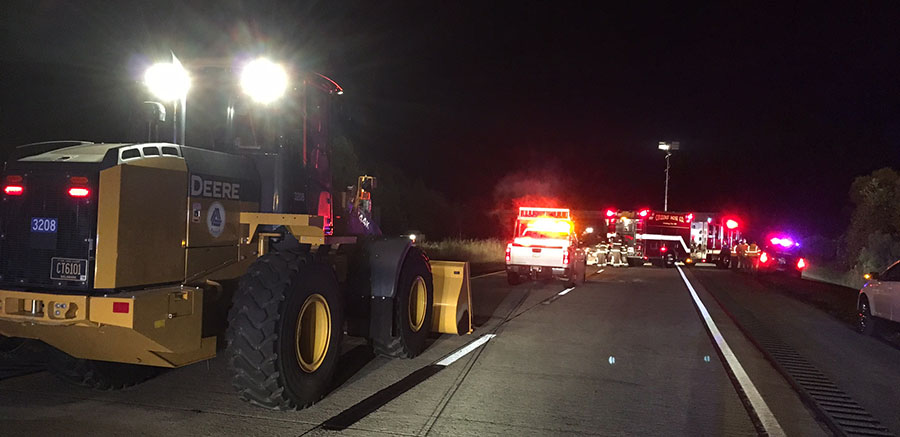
[
  {"x": 264, "y": 325},
  {"x": 9, "y": 345},
  {"x": 98, "y": 375},
  {"x": 409, "y": 342},
  {"x": 8, "y": 349},
  {"x": 512, "y": 278},
  {"x": 865, "y": 322}
]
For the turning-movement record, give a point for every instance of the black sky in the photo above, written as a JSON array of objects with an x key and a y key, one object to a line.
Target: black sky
[{"x": 777, "y": 107}]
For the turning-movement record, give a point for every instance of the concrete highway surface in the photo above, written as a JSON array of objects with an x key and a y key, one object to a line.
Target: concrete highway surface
[{"x": 633, "y": 351}]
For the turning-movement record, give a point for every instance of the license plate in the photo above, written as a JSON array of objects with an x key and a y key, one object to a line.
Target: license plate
[
  {"x": 67, "y": 269},
  {"x": 44, "y": 225}
]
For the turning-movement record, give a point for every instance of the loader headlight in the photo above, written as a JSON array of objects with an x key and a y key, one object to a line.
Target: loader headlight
[
  {"x": 264, "y": 81},
  {"x": 168, "y": 81}
]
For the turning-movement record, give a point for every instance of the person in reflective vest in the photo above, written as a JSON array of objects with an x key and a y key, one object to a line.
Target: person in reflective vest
[
  {"x": 752, "y": 257},
  {"x": 603, "y": 255},
  {"x": 735, "y": 255},
  {"x": 742, "y": 255},
  {"x": 615, "y": 254}
]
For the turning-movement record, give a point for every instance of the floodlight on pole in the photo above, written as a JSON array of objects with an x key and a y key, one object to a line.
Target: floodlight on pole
[{"x": 668, "y": 148}]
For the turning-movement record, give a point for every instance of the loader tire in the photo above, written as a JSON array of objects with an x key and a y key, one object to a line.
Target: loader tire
[
  {"x": 412, "y": 310},
  {"x": 284, "y": 332},
  {"x": 9, "y": 345},
  {"x": 98, "y": 375},
  {"x": 8, "y": 349}
]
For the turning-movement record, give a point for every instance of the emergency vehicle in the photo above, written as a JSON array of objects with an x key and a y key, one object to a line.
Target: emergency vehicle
[
  {"x": 712, "y": 237},
  {"x": 660, "y": 238},
  {"x": 544, "y": 246},
  {"x": 782, "y": 254}
]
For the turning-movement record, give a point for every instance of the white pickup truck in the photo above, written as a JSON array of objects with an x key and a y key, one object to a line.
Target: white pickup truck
[{"x": 540, "y": 253}]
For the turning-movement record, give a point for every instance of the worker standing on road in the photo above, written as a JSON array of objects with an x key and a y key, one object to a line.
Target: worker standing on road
[
  {"x": 752, "y": 257},
  {"x": 603, "y": 255},
  {"x": 735, "y": 254},
  {"x": 616, "y": 254},
  {"x": 742, "y": 255}
]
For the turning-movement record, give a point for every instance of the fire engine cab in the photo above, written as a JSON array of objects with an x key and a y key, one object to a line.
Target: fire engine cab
[{"x": 544, "y": 246}]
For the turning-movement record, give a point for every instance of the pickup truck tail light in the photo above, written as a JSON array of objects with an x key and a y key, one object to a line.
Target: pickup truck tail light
[
  {"x": 566, "y": 258},
  {"x": 508, "y": 250}
]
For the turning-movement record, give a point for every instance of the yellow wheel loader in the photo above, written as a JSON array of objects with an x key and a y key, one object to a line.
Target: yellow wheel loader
[{"x": 129, "y": 258}]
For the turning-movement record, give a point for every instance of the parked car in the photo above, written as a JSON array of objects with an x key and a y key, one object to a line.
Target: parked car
[
  {"x": 879, "y": 299},
  {"x": 782, "y": 254}
]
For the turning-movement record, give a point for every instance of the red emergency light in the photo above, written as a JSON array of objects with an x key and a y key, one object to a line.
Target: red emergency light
[
  {"x": 764, "y": 258},
  {"x": 644, "y": 212},
  {"x": 610, "y": 213},
  {"x": 14, "y": 190},
  {"x": 79, "y": 192},
  {"x": 663, "y": 249},
  {"x": 801, "y": 264},
  {"x": 689, "y": 217},
  {"x": 731, "y": 224}
]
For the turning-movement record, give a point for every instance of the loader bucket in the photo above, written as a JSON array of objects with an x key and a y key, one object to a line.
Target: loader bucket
[{"x": 452, "y": 298}]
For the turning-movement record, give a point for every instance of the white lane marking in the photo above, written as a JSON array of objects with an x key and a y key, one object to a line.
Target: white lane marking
[
  {"x": 465, "y": 350},
  {"x": 763, "y": 413},
  {"x": 566, "y": 291},
  {"x": 601, "y": 270},
  {"x": 488, "y": 274}
]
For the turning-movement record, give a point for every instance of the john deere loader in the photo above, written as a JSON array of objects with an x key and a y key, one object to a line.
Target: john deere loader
[{"x": 129, "y": 258}]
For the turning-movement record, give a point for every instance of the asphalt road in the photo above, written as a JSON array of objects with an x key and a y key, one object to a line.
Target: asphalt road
[
  {"x": 626, "y": 353},
  {"x": 864, "y": 368}
]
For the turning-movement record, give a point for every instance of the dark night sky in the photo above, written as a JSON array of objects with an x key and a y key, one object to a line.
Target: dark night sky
[{"x": 777, "y": 108}]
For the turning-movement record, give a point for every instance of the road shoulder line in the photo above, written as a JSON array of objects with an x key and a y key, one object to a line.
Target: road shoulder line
[{"x": 762, "y": 414}]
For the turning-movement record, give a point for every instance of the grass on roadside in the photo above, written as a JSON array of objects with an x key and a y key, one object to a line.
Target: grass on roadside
[{"x": 490, "y": 251}]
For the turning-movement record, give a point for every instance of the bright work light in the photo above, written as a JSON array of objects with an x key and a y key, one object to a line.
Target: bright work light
[
  {"x": 168, "y": 81},
  {"x": 264, "y": 81}
]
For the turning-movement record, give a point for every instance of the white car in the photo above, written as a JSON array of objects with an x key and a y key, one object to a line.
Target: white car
[{"x": 879, "y": 299}]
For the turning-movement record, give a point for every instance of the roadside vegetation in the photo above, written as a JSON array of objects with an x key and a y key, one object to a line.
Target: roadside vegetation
[
  {"x": 482, "y": 255},
  {"x": 872, "y": 240}
]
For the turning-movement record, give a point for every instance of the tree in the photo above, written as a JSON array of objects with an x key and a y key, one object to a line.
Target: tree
[{"x": 873, "y": 237}]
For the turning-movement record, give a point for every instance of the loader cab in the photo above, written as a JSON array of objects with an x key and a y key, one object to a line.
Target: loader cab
[{"x": 286, "y": 137}]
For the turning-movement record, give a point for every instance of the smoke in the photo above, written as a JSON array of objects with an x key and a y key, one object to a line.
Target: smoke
[{"x": 542, "y": 188}]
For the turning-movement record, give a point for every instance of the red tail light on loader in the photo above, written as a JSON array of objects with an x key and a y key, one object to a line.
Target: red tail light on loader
[
  {"x": 79, "y": 192},
  {"x": 13, "y": 186},
  {"x": 13, "y": 190}
]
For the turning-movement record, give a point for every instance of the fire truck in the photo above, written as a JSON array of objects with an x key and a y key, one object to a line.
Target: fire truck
[
  {"x": 660, "y": 238},
  {"x": 544, "y": 246},
  {"x": 712, "y": 237},
  {"x": 663, "y": 238}
]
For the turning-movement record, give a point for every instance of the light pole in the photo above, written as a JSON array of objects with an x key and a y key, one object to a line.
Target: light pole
[
  {"x": 170, "y": 82},
  {"x": 668, "y": 148}
]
